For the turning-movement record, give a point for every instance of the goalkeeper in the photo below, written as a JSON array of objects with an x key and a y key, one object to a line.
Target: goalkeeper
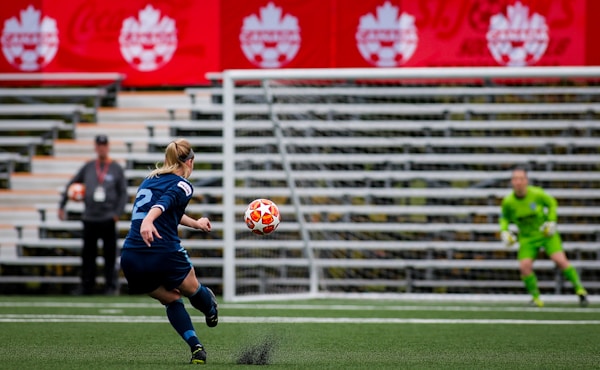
[{"x": 533, "y": 211}]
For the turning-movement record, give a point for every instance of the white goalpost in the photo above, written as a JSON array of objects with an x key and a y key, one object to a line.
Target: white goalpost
[{"x": 389, "y": 180}]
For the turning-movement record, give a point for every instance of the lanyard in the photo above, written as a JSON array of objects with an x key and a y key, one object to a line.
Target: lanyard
[{"x": 101, "y": 173}]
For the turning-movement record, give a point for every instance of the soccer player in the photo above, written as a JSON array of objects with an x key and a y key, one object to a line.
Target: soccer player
[
  {"x": 153, "y": 260},
  {"x": 534, "y": 212}
]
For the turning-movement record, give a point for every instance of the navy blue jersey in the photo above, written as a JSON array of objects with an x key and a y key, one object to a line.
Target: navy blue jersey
[{"x": 172, "y": 194}]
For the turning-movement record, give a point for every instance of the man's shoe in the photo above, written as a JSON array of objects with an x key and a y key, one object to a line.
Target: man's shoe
[
  {"x": 537, "y": 302},
  {"x": 582, "y": 294},
  {"x": 82, "y": 291},
  {"x": 212, "y": 318},
  {"x": 111, "y": 291},
  {"x": 198, "y": 355}
]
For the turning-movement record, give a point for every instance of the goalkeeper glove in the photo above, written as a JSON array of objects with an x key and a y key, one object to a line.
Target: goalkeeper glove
[
  {"x": 508, "y": 238},
  {"x": 548, "y": 228}
]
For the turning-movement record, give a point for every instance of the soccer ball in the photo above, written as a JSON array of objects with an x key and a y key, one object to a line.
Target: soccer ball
[
  {"x": 262, "y": 216},
  {"x": 76, "y": 192}
]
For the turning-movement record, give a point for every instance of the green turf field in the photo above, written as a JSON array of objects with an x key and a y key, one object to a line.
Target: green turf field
[{"x": 133, "y": 333}]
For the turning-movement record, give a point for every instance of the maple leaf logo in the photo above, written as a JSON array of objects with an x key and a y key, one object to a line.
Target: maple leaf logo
[
  {"x": 517, "y": 39},
  {"x": 387, "y": 40},
  {"x": 149, "y": 41},
  {"x": 30, "y": 42},
  {"x": 271, "y": 40}
]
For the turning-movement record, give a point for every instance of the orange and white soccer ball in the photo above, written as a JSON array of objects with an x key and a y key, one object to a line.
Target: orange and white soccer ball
[
  {"x": 76, "y": 192},
  {"x": 262, "y": 216}
]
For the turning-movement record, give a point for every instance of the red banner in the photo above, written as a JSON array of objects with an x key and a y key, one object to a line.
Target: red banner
[
  {"x": 165, "y": 42},
  {"x": 175, "y": 42},
  {"x": 381, "y": 33},
  {"x": 284, "y": 34},
  {"x": 461, "y": 33}
]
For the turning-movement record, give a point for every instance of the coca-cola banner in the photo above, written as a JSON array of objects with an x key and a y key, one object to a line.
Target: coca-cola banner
[
  {"x": 461, "y": 33},
  {"x": 159, "y": 42},
  {"x": 385, "y": 33},
  {"x": 176, "y": 42}
]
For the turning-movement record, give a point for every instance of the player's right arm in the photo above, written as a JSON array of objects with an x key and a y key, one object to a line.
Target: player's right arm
[
  {"x": 508, "y": 237},
  {"x": 147, "y": 229}
]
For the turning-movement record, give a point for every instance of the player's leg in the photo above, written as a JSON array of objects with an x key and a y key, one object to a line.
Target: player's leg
[
  {"x": 160, "y": 274},
  {"x": 556, "y": 253},
  {"x": 201, "y": 298},
  {"x": 88, "y": 257},
  {"x": 530, "y": 280},
  {"x": 527, "y": 254},
  {"x": 182, "y": 280},
  {"x": 109, "y": 250},
  {"x": 180, "y": 320}
]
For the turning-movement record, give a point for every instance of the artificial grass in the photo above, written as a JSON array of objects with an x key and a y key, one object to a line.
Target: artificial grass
[{"x": 563, "y": 343}]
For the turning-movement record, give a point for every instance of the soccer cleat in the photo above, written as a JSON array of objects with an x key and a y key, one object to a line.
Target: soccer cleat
[
  {"x": 212, "y": 319},
  {"x": 582, "y": 294},
  {"x": 198, "y": 355},
  {"x": 537, "y": 302}
]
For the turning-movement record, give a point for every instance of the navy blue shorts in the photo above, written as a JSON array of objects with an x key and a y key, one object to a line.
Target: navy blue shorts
[{"x": 147, "y": 269}]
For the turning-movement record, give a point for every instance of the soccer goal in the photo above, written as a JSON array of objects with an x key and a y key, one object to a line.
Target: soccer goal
[{"x": 389, "y": 180}]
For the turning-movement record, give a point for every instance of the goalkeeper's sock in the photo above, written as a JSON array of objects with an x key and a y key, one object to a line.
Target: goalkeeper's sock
[
  {"x": 571, "y": 274},
  {"x": 531, "y": 285},
  {"x": 181, "y": 322}
]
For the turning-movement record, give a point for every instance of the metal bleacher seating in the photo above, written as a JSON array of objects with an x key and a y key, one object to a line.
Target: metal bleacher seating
[
  {"x": 38, "y": 108},
  {"x": 431, "y": 183}
]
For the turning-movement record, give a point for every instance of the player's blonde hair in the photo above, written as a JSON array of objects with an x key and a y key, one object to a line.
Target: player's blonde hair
[{"x": 176, "y": 154}]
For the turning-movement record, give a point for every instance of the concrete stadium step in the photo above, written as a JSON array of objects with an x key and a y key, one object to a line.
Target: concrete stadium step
[
  {"x": 137, "y": 114},
  {"x": 27, "y": 197},
  {"x": 85, "y": 147},
  {"x": 41, "y": 181},
  {"x": 64, "y": 165},
  {"x": 151, "y": 99},
  {"x": 112, "y": 129},
  {"x": 18, "y": 214}
]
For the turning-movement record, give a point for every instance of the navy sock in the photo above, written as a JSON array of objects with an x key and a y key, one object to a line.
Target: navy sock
[
  {"x": 181, "y": 322},
  {"x": 202, "y": 300}
]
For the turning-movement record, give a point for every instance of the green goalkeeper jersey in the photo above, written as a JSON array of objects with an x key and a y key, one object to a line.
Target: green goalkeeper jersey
[{"x": 529, "y": 212}]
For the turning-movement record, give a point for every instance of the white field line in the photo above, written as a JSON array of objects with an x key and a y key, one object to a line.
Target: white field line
[
  {"x": 316, "y": 307},
  {"x": 29, "y": 318}
]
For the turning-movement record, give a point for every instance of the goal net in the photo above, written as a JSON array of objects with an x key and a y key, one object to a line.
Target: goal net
[{"x": 390, "y": 180}]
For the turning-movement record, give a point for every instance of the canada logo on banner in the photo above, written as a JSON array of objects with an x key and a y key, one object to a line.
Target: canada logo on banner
[
  {"x": 149, "y": 41},
  {"x": 31, "y": 42},
  {"x": 270, "y": 41},
  {"x": 386, "y": 40},
  {"x": 517, "y": 39}
]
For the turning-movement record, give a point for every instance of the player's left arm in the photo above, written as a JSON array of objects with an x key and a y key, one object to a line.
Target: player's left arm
[
  {"x": 203, "y": 223},
  {"x": 549, "y": 227}
]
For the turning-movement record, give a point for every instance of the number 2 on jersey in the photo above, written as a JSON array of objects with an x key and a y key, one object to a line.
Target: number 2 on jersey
[{"x": 143, "y": 197}]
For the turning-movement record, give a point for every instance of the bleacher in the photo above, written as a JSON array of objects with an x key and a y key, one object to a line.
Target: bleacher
[
  {"x": 38, "y": 108},
  {"x": 400, "y": 185}
]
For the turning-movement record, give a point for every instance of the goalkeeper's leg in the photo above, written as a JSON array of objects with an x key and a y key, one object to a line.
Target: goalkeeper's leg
[
  {"x": 531, "y": 284},
  {"x": 530, "y": 280},
  {"x": 556, "y": 253}
]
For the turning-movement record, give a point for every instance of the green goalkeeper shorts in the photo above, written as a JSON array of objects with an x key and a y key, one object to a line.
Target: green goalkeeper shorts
[{"x": 530, "y": 247}]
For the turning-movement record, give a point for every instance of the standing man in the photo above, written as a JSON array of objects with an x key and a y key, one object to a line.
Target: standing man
[
  {"x": 104, "y": 200},
  {"x": 534, "y": 212}
]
